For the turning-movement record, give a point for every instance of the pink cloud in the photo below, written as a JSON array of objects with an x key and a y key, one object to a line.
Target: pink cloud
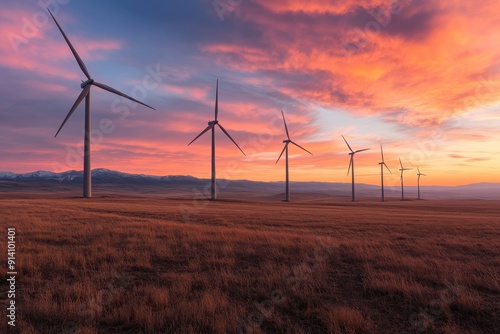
[{"x": 44, "y": 51}]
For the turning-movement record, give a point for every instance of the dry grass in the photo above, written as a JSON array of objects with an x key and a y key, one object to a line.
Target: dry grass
[{"x": 134, "y": 265}]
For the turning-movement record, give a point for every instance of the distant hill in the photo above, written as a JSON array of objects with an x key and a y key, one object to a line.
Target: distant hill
[{"x": 188, "y": 185}]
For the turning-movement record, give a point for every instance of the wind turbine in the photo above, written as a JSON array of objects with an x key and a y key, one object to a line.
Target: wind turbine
[
  {"x": 382, "y": 165},
  {"x": 402, "y": 169},
  {"x": 351, "y": 165},
  {"x": 285, "y": 149},
  {"x": 211, "y": 126},
  {"x": 419, "y": 175},
  {"x": 85, "y": 94}
]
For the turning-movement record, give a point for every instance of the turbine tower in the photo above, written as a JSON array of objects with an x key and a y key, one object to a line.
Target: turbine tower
[
  {"x": 285, "y": 149},
  {"x": 402, "y": 169},
  {"x": 382, "y": 165},
  {"x": 351, "y": 165},
  {"x": 419, "y": 175},
  {"x": 85, "y": 94},
  {"x": 211, "y": 126}
]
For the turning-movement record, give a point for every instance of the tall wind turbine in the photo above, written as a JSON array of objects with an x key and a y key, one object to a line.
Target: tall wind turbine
[
  {"x": 211, "y": 126},
  {"x": 285, "y": 149},
  {"x": 382, "y": 165},
  {"x": 402, "y": 169},
  {"x": 85, "y": 94},
  {"x": 419, "y": 175},
  {"x": 351, "y": 165}
]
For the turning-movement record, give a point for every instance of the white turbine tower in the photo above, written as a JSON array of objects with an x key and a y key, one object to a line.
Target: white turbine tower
[
  {"x": 285, "y": 149},
  {"x": 351, "y": 165},
  {"x": 402, "y": 169},
  {"x": 211, "y": 126},
  {"x": 382, "y": 165},
  {"x": 85, "y": 94},
  {"x": 419, "y": 175}
]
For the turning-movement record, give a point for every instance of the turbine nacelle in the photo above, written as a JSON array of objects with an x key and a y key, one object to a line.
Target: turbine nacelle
[
  {"x": 211, "y": 126},
  {"x": 86, "y": 83},
  {"x": 289, "y": 141},
  {"x": 402, "y": 169}
]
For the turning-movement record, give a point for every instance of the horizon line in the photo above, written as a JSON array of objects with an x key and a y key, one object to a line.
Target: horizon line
[{"x": 248, "y": 180}]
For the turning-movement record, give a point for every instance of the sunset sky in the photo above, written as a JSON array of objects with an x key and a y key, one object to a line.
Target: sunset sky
[{"x": 422, "y": 77}]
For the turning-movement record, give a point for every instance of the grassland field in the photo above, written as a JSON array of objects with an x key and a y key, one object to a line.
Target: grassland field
[{"x": 115, "y": 264}]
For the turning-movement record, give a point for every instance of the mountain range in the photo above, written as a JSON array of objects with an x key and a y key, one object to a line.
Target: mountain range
[{"x": 143, "y": 184}]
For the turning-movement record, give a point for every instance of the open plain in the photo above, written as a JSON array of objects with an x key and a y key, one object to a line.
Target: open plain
[{"x": 115, "y": 264}]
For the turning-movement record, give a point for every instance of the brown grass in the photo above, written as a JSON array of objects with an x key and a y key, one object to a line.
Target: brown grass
[{"x": 134, "y": 265}]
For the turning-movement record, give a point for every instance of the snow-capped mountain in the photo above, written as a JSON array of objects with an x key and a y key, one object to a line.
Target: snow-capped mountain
[
  {"x": 7, "y": 175},
  {"x": 98, "y": 175},
  {"x": 40, "y": 175}
]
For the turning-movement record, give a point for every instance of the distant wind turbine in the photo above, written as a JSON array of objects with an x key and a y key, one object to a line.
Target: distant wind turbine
[
  {"x": 285, "y": 149},
  {"x": 402, "y": 169},
  {"x": 419, "y": 175},
  {"x": 351, "y": 165},
  {"x": 211, "y": 126},
  {"x": 85, "y": 94},
  {"x": 382, "y": 165}
]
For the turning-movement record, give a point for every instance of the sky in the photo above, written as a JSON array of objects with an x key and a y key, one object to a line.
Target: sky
[{"x": 420, "y": 77}]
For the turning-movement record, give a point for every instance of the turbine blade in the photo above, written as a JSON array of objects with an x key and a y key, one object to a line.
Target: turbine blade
[
  {"x": 347, "y": 143},
  {"x": 294, "y": 143},
  {"x": 201, "y": 134},
  {"x": 366, "y": 149},
  {"x": 382, "y": 151},
  {"x": 227, "y": 134},
  {"x": 217, "y": 100},
  {"x": 75, "y": 54},
  {"x": 350, "y": 164},
  {"x": 82, "y": 95},
  {"x": 284, "y": 148},
  {"x": 400, "y": 163},
  {"x": 117, "y": 92},
  {"x": 418, "y": 169},
  {"x": 286, "y": 127},
  {"x": 387, "y": 168}
]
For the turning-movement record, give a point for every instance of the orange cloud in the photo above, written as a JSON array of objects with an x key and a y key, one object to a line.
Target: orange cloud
[
  {"x": 425, "y": 73},
  {"x": 318, "y": 6}
]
